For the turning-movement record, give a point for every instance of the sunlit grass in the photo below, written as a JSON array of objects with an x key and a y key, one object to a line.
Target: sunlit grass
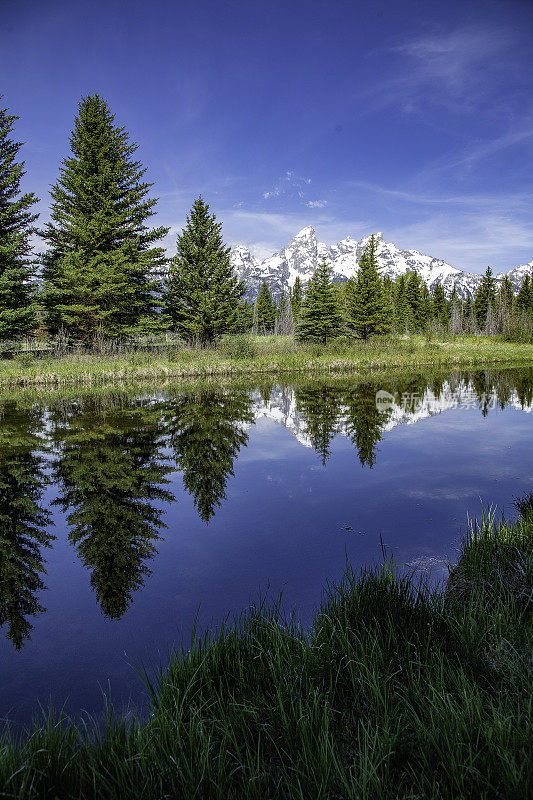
[
  {"x": 261, "y": 355},
  {"x": 396, "y": 691}
]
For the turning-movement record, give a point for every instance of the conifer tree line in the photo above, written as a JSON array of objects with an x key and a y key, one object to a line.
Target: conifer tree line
[{"x": 104, "y": 273}]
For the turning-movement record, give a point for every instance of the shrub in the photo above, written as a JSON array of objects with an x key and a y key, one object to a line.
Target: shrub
[{"x": 239, "y": 347}]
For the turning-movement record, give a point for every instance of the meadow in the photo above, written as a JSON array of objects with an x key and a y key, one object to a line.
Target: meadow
[{"x": 241, "y": 355}]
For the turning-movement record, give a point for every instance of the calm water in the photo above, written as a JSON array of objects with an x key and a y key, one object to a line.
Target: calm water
[{"x": 123, "y": 517}]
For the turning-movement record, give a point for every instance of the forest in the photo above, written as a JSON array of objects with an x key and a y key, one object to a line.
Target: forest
[{"x": 101, "y": 275}]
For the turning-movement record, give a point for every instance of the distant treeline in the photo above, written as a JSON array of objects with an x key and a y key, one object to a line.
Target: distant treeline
[{"x": 102, "y": 274}]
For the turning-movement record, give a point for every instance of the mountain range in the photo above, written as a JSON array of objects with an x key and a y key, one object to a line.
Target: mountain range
[{"x": 304, "y": 252}]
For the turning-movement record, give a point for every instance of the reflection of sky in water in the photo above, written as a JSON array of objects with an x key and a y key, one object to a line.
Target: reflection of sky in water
[{"x": 288, "y": 524}]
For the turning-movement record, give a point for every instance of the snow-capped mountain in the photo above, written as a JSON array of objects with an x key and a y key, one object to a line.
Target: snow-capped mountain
[{"x": 304, "y": 252}]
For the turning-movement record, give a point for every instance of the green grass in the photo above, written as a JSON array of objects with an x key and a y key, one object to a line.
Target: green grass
[
  {"x": 271, "y": 355},
  {"x": 397, "y": 691}
]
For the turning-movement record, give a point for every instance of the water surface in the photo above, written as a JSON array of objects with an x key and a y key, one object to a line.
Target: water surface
[{"x": 124, "y": 517}]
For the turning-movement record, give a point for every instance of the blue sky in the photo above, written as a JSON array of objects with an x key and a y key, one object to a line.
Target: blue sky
[{"x": 413, "y": 118}]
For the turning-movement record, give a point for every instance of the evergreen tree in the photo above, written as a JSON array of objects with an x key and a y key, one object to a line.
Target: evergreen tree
[
  {"x": 111, "y": 472},
  {"x": 427, "y": 304},
  {"x": 455, "y": 312},
  {"x": 388, "y": 288},
  {"x": 485, "y": 297},
  {"x": 506, "y": 293},
  {"x": 468, "y": 309},
  {"x": 413, "y": 296},
  {"x": 265, "y": 310},
  {"x": 206, "y": 434},
  {"x": 17, "y": 313},
  {"x": 365, "y": 297},
  {"x": 100, "y": 273},
  {"x": 296, "y": 299},
  {"x": 401, "y": 306},
  {"x": 245, "y": 317},
  {"x": 320, "y": 315},
  {"x": 23, "y": 521},
  {"x": 441, "y": 309},
  {"x": 203, "y": 293},
  {"x": 524, "y": 300}
]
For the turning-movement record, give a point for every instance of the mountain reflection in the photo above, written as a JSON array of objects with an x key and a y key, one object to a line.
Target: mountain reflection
[
  {"x": 110, "y": 470},
  {"x": 23, "y": 521},
  {"x": 110, "y": 457}
]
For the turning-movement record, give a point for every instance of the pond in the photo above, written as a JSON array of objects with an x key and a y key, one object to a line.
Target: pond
[{"x": 127, "y": 518}]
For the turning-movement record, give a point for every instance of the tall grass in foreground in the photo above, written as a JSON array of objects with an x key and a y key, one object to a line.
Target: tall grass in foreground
[{"x": 396, "y": 691}]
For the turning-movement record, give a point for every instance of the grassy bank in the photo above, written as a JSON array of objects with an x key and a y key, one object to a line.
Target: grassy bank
[
  {"x": 273, "y": 355},
  {"x": 396, "y": 691}
]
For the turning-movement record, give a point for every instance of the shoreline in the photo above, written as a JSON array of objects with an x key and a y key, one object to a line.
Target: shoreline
[
  {"x": 266, "y": 356},
  {"x": 402, "y": 689}
]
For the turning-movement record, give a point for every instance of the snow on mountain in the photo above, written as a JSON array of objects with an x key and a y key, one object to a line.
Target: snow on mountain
[
  {"x": 304, "y": 252},
  {"x": 282, "y": 408},
  {"x": 517, "y": 274}
]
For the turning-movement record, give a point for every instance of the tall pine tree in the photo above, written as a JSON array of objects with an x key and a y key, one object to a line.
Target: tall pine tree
[
  {"x": 367, "y": 304},
  {"x": 401, "y": 306},
  {"x": 203, "y": 293},
  {"x": 17, "y": 314},
  {"x": 524, "y": 300},
  {"x": 265, "y": 310},
  {"x": 413, "y": 295},
  {"x": 321, "y": 314},
  {"x": 101, "y": 270},
  {"x": 485, "y": 298}
]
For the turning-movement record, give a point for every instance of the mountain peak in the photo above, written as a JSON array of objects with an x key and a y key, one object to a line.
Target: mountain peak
[
  {"x": 301, "y": 256},
  {"x": 306, "y": 233}
]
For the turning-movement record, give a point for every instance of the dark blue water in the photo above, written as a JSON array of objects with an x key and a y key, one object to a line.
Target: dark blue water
[{"x": 259, "y": 489}]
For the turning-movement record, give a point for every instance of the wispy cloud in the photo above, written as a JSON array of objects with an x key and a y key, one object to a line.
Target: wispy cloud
[
  {"x": 290, "y": 185},
  {"x": 445, "y": 68},
  {"x": 470, "y": 241},
  {"x": 450, "y": 58},
  {"x": 316, "y": 203},
  {"x": 469, "y": 231},
  {"x": 265, "y": 233}
]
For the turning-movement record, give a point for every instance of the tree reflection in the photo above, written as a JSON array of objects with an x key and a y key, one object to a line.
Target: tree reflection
[
  {"x": 364, "y": 422},
  {"x": 23, "y": 521},
  {"x": 319, "y": 405},
  {"x": 523, "y": 383},
  {"x": 206, "y": 433},
  {"x": 111, "y": 471}
]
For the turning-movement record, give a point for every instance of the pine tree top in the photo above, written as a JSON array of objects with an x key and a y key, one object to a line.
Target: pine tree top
[
  {"x": 16, "y": 218},
  {"x": 203, "y": 292},
  {"x": 100, "y": 200}
]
